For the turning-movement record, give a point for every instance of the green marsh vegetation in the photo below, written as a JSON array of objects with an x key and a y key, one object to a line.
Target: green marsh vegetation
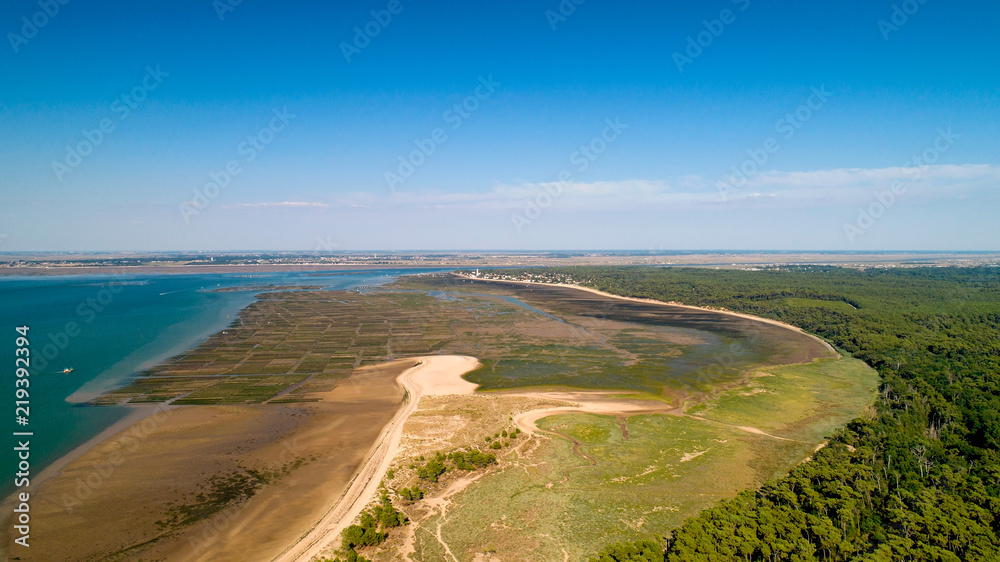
[
  {"x": 604, "y": 480},
  {"x": 287, "y": 346},
  {"x": 602, "y": 343},
  {"x": 918, "y": 480},
  {"x": 220, "y": 492}
]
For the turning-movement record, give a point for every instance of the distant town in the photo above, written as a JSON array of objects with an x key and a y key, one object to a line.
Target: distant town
[{"x": 47, "y": 263}]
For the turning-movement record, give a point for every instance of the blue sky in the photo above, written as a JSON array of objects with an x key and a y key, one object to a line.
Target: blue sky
[{"x": 731, "y": 124}]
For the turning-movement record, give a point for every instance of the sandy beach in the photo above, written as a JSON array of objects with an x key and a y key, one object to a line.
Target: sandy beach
[
  {"x": 107, "y": 500},
  {"x": 431, "y": 376},
  {"x": 136, "y": 416}
]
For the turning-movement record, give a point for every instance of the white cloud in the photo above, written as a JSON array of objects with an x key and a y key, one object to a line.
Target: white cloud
[
  {"x": 283, "y": 204},
  {"x": 851, "y": 184},
  {"x": 843, "y": 186}
]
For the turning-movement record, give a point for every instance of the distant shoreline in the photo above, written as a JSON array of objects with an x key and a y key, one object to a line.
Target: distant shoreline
[
  {"x": 196, "y": 269},
  {"x": 666, "y": 303},
  {"x": 68, "y": 264}
]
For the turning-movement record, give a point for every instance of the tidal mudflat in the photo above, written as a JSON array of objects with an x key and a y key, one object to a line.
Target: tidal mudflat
[
  {"x": 271, "y": 418},
  {"x": 214, "y": 482}
]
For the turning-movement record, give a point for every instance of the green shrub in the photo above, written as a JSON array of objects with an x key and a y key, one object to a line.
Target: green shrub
[
  {"x": 431, "y": 471},
  {"x": 411, "y": 494}
]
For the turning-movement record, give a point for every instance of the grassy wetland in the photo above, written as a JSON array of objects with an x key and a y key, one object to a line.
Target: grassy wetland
[
  {"x": 289, "y": 345},
  {"x": 721, "y": 404},
  {"x": 634, "y": 415},
  {"x": 584, "y": 480},
  {"x": 587, "y": 480}
]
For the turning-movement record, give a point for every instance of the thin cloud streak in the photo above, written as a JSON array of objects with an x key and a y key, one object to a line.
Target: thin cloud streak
[
  {"x": 774, "y": 188},
  {"x": 282, "y": 204}
]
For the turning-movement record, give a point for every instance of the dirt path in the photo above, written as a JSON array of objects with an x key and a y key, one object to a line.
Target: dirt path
[
  {"x": 441, "y": 375},
  {"x": 746, "y": 428},
  {"x": 588, "y": 402},
  {"x": 594, "y": 403},
  {"x": 433, "y": 375}
]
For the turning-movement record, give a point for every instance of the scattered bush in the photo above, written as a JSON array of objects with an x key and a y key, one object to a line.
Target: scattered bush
[
  {"x": 471, "y": 460},
  {"x": 431, "y": 471},
  {"x": 371, "y": 528},
  {"x": 642, "y": 551},
  {"x": 411, "y": 494}
]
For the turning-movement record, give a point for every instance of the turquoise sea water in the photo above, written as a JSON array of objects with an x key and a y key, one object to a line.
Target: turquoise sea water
[{"x": 106, "y": 328}]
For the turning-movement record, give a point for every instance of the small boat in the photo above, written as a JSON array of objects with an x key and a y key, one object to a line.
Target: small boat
[{"x": 67, "y": 371}]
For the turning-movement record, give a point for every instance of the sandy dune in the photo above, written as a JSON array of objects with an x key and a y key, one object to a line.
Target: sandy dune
[
  {"x": 435, "y": 375},
  {"x": 439, "y": 375}
]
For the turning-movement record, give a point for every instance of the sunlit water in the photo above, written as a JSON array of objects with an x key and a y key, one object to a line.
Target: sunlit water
[{"x": 107, "y": 328}]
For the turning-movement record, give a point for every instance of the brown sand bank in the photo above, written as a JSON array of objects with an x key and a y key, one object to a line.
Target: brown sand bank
[
  {"x": 106, "y": 503},
  {"x": 428, "y": 376}
]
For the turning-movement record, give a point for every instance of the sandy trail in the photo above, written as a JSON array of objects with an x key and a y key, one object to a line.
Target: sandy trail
[
  {"x": 434, "y": 375},
  {"x": 586, "y": 402},
  {"x": 599, "y": 403}
]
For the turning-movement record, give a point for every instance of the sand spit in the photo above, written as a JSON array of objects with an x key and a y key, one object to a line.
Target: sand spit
[{"x": 431, "y": 376}]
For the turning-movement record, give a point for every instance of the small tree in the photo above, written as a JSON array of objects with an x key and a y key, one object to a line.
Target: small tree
[
  {"x": 353, "y": 536},
  {"x": 431, "y": 471},
  {"x": 411, "y": 494}
]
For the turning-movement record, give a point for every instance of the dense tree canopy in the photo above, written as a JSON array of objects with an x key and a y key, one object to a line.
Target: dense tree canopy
[{"x": 917, "y": 480}]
